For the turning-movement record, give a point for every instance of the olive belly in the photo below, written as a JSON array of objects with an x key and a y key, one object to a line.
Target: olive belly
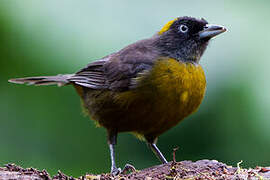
[{"x": 163, "y": 99}]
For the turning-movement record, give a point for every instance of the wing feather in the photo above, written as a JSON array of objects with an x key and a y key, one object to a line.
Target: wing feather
[{"x": 118, "y": 71}]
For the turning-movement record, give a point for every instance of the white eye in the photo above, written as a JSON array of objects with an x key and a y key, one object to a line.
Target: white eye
[{"x": 183, "y": 28}]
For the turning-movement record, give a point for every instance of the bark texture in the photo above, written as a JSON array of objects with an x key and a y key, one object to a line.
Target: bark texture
[{"x": 202, "y": 169}]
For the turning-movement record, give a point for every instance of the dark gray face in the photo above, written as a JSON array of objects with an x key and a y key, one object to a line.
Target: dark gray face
[{"x": 187, "y": 38}]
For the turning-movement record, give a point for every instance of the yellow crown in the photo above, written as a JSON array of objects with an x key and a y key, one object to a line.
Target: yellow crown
[{"x": 167, "y": 26}]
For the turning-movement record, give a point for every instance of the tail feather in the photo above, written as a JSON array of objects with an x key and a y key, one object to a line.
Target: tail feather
[{"x": 60, "y": 80}]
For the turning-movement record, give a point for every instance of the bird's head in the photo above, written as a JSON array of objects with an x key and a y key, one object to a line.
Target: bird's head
[{"x": 186, "y": 38}]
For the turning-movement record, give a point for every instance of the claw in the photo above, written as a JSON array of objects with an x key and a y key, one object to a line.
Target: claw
[
  {"x": 116, "y": 171},
  {"x": 127, "y": 168}
]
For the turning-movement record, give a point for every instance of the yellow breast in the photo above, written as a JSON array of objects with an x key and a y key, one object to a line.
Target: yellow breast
[
  {"x": 177, "y": 80},
  {"x": 168, "y": 93}
]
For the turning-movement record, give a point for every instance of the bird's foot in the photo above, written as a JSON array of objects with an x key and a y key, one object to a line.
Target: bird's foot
[
  {"x": 128, "y": 167},
  {"x": 115, "y": 171}
]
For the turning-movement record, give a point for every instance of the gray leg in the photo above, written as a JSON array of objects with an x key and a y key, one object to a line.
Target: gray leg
[
  {"x": 157, "y": 152},
  {"x": 112, "y": 140}
]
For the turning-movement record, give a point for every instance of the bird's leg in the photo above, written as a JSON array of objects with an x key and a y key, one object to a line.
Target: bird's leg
[
  {"x": 112, "y": 140},
  {"x": 157, "y": 152}
]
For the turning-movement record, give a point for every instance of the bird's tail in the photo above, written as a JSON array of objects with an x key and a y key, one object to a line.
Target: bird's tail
[{"x": 60, "y": 80}]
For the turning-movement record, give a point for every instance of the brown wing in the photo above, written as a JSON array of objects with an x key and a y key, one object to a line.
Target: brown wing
[{"x": 117, "y": 71}]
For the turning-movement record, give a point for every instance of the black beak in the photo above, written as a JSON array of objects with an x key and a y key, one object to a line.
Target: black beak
[{"x": 211, "y": 30}]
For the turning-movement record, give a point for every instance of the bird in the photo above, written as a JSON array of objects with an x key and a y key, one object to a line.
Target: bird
[{"x": 147, "y": 87}]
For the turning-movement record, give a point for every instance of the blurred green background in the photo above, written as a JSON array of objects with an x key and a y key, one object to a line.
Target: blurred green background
[{"x": 44, "y": 127}]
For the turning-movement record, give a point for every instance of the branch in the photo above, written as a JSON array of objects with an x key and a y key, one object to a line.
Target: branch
[{"x": 203, "y": 169}]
